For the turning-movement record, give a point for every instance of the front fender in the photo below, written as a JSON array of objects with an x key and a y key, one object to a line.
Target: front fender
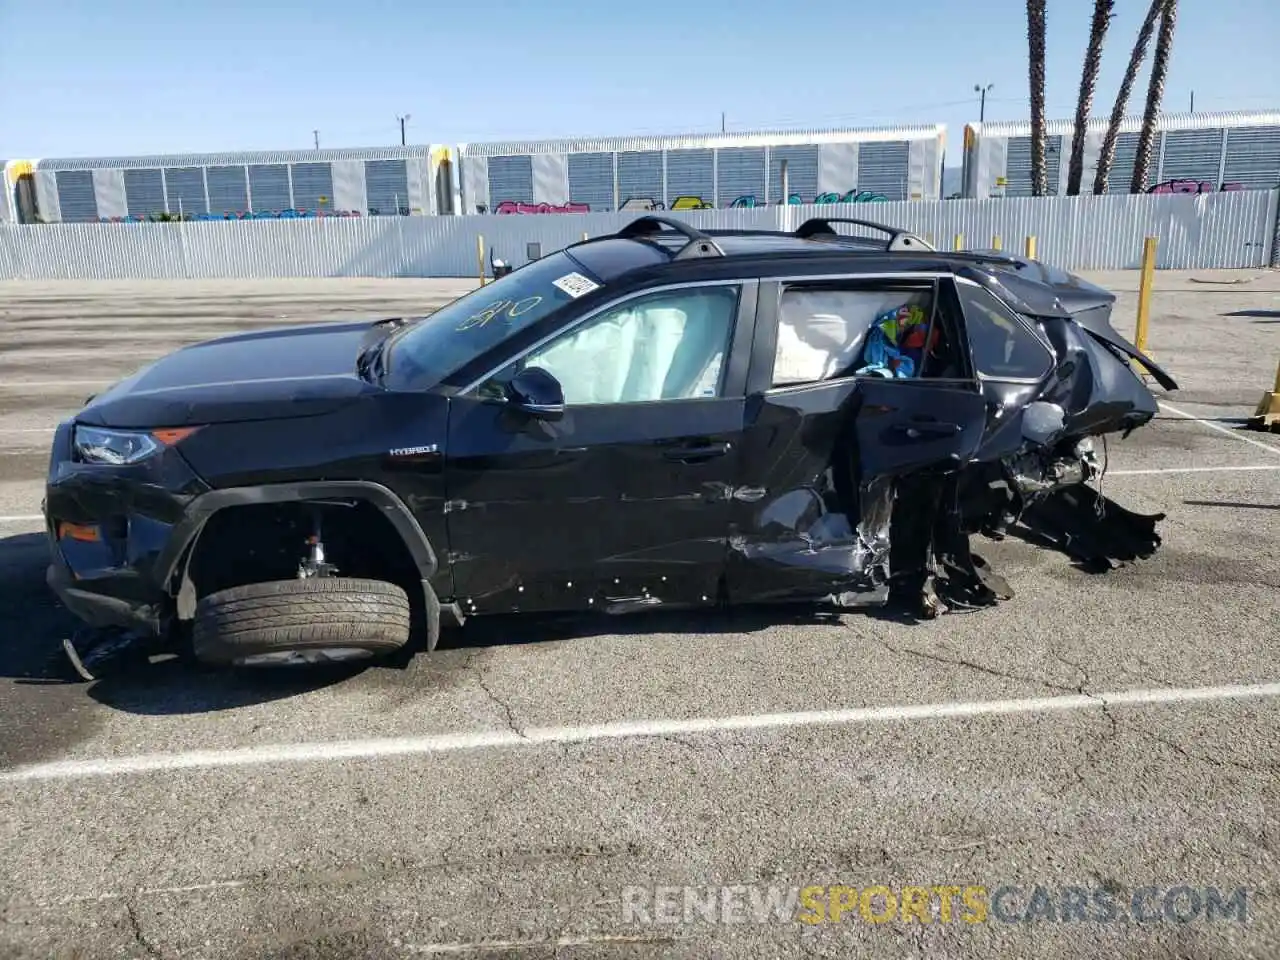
[{"x": 198, "y": 512}]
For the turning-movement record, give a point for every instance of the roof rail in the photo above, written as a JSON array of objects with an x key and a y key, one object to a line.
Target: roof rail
[
  {"x": 898, "y": 239},
  {"x": 699, "y": 245}
]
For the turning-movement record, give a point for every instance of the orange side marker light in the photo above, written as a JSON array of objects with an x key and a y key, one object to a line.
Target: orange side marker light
[{"x": 171, "y": 435}]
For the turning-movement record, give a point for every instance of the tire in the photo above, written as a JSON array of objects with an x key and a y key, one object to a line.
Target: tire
[{"x": 297, "y": 621}]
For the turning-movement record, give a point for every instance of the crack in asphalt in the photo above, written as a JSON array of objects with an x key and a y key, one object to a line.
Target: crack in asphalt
[
  {"x": 1146, "y": 673},
  {"x": 706, "y": 745},
  {"x": 1084, "y": 674},
  {"x": 1210, "y": 761},
  {"x": 1113, "y": 726},
  {"x": 499, "y": 804},
  {"x": 340, "y": 876},
  {"x": 188, "y": 831},
  {"x": 502, "y": 705},
  {"x": 680, "y": 742},
  {"x": 151, "y": 950},
  {"x": 971, "y": 665},
  {"x": 916, "y": 933},
  {"x": 563, "y": 940},
  {"x": 810, "y": 948}
]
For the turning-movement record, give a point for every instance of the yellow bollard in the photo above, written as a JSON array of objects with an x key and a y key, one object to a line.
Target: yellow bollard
[
  {"x": 959, "y": 241},
  {"x": 995, "y": 243},
  {"x": 1031, "y": 248},
  {"x": 1267, "y": 416},
  {"x": 480, "y": 256},
  {"x": 1144, "y": 292}
]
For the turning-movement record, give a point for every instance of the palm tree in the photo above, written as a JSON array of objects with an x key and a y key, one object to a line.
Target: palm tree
[
  {"x": 1102, "y": 14},
  {"x": 1155, "y": 93},
  {"x": 1035, "y": 64},
  {"x": 1107, "y": 154}
]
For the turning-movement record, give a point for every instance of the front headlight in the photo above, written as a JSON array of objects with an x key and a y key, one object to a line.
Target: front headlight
[{"x": 119, "y": 447}]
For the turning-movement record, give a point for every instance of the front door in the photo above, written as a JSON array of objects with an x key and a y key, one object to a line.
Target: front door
[
  {"x": 827, "y": 435},
  {"x": 624, "y": 500}
]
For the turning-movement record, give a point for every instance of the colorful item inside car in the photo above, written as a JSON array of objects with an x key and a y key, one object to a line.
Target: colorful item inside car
[{"x": 896, "y": 342}]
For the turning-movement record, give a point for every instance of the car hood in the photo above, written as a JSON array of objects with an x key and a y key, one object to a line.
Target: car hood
[{"x": 291, "y": 371}]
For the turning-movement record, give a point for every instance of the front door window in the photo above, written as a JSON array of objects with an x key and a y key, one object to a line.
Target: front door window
[{"x": 669, "y": 345}]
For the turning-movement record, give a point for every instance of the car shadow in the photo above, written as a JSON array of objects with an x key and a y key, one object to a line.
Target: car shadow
[
  {"x": 139, "y": 679},
  {"x": 33, "y": 625},
  {"x": 181, "y": 685},
  {"x": 1032, "y": 537},
  {"x": 178, "y": 685},
  {"x": 32, "y": 622},
  {"x": 526, "y": 628},
  {"x": 41, "y": 711},
  {"x": 143, "y": 681}
]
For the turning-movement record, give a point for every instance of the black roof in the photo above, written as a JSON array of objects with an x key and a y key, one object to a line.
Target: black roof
[{"x": 652, "y": 247}]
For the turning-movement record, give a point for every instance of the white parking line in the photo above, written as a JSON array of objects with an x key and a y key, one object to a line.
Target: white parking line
[
  {"x": 535, "y": 736},
  {"x": 19, "y": 384},
  {"x": 491, "y": 946},
  {"x": 29, "y": 518},
  {"x": 1140, "y": 473},
  {"x": 1220, "y": 428},
  {"x": 60, "y": 346},
  {"x": 140, "y": 891}
]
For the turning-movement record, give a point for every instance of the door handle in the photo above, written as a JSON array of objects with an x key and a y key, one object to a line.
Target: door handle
[
  {"x": 928, "y": 429},
  {"x": 699, "y": 452}
]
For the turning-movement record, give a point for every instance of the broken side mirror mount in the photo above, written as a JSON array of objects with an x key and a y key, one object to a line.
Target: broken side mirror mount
[
  {"x": 1042, "y": 422},
  {"x": 537, "y": 393}
]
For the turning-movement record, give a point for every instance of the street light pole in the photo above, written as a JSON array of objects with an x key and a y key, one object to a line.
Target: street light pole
[
  {"x": 981, "y": 91},
  {"x": 402, "y": 122}
]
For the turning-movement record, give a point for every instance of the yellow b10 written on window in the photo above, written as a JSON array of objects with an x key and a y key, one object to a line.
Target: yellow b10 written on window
[{"x": 510, "y": 308}]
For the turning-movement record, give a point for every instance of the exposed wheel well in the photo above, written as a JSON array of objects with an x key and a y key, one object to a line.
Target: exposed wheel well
[{"x": 255, "y": 543}]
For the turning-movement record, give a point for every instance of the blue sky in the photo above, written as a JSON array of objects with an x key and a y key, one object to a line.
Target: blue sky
[{"x": 104, "y": 77}]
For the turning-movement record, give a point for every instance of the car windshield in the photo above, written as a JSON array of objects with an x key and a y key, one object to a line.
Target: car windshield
[{"x": 461, "y": 331}]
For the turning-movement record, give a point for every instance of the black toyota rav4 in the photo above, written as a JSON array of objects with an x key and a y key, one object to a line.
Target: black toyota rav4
[{"x": 662, "y": 417}]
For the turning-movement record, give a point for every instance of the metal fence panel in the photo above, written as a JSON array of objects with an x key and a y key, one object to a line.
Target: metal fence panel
[{"x": 1232, "y": 229}]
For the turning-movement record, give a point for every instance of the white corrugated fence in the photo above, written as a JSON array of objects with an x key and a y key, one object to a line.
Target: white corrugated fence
[{"x": 1213, "y": 230}]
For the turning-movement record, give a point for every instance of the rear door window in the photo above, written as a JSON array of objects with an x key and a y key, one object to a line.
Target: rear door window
[
  {"x": 1004, "y": 347},
  {"x": 826, "y": 331}
]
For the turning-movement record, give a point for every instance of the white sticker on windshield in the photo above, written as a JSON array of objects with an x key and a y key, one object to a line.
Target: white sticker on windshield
[{"x": 575, "y": 284}]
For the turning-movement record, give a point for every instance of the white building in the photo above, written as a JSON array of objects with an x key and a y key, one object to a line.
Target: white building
[
  {"x": 262, "y": 184},
  {"x": 1192, "y": 152},
  {"x": 703, "y": 170}
]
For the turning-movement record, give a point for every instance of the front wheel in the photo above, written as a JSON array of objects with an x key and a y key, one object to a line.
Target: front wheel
[{"x": 313, "y": 620}]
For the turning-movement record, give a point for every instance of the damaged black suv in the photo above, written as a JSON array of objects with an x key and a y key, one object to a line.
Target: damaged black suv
[{"x": 659, "y": 417}]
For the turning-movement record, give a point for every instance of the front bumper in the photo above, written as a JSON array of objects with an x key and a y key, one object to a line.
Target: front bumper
[
  {"x": 110, "y": 530},
  {"x": 99, "y": 609}
]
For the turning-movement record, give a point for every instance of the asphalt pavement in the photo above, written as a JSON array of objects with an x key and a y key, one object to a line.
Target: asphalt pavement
[{"x": 641, "y": 787}]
